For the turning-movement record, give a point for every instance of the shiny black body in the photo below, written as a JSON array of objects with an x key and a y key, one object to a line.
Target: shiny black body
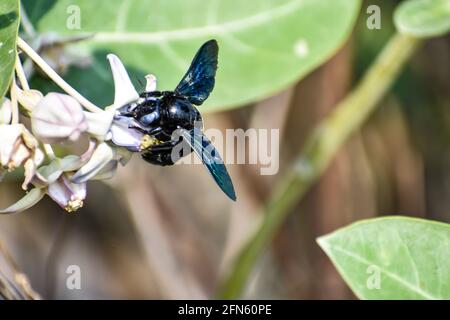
[
  {"x": 160, "y": 113},
  {"x": 171, "y": 111}
]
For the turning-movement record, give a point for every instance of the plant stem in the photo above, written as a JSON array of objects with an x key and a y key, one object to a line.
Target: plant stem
[
  {"x": 21, "y": 74},
  {"x": 319, "y": 150},
  {"x": 55, "y": 77},
  {"x": 14, "y": 103},
  {"x": 49, "y": 151},
  {"x": 25, "y": 86}
]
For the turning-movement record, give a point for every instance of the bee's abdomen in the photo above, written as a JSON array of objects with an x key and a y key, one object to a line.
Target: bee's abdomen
[{"x": 158, "y": 158}]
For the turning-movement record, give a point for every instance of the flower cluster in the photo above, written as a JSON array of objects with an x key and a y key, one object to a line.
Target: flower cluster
[{"x": 60, "y": 119}]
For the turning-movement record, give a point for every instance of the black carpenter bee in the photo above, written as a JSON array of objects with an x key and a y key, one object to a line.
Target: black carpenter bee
[{"x": 159, "y": 114}]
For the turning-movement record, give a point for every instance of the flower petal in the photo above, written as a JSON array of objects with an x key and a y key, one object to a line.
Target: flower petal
[
  {"x": 50, "y": 173},
  {"x": 101, "y": 156},
  {"x": 20, "y": 154},
  {"x": 67, "y": 194},
  {"x": 123, "y": 136},
  {"x": 151, "y": 82},
  {"x": 30, "y": 171},
  {"x": 27, "y": 98},
  {"x": 99, "y": 122},
  {"x": 124, "y": 91},
  {"x": 107, "y": 172},
  {"x": 58, "y": 117},
  {"x": 9, "y": 134},
  {"x": 71, "y": 163},
  {"x": 29, "y": 200},
  {"x": 5, "y": 111},
  {"x": 90, "y": 150}
]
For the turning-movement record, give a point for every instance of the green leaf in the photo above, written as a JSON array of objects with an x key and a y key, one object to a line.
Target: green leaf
[
  {"x": 410, "y": 257},
  {"x": 9, "y": 25},
  {"x": 265, "y": 45},
  {"x": 423, "y": 18}
]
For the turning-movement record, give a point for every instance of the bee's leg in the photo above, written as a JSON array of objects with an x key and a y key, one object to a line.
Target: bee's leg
[
  {"x": 163, "y": 154},
  {"x": 165, "y": 146},
  {"x": 160, "y": 159},
  {"x": 133, "y": 124}
]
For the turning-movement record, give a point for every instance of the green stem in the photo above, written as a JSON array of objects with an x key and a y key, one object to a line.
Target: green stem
[
  {"x": 320, "y": 148},
  {"x": 55, "y": 77}
]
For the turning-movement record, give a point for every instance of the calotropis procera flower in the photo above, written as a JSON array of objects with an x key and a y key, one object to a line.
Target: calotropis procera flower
[
  {"x": 18, "y": 147},
  {"x": 113, "y": 133},
  {"x": 59, "y": 118},
  {"x": 54, "y": 180},
  {"x": 113, "y": 127},
  {"x": 28, "y": 99},
  {"x": 5, "y": 111}
]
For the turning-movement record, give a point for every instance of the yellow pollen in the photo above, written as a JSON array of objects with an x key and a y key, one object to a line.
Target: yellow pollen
[
  {"x": 74, "y": 205},
  {"x": 148, "y": 141}
]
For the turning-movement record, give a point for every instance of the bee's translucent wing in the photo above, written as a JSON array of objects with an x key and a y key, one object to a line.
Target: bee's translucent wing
[
  {"x": 210, "y": 157},
  {"x": 198, "y": 82}
]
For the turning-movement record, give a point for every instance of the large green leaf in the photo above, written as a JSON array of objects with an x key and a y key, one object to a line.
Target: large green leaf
[
  {"x": 9, "y": 25},
  {"x": 265, "y": 45},
  {"x": 410, "y": 256},
  {"x": 423, "y": 18}
]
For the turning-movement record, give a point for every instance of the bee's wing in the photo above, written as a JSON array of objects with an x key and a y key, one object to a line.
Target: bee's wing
[
  {"x": 211, "y": 159},
  {"x": 198, "y": 82}
]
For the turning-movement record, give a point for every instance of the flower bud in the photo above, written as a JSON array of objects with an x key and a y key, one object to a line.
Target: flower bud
[
  {"x": 5, "y": 112},
  {"x": 28, "y": 98},
  {"x": 58, "y": 118},
  {"x": 67, "y": 194},
  {"x": 19, "y": 147},
  {"x": 151, "y": 83}
]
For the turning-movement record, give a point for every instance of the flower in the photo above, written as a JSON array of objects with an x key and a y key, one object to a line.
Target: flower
[
  {"x": 28, "y": 99},
  {"x": 60, "y": 118},
  {"x": 5, "y": 112},
  {"x": 109, "y": 125},
  {"x": 56, "y": 178},
  {"x": 19, "y": 147},
  {"x": 57, "y": 118},
  {"x": 102, "y": 164}
]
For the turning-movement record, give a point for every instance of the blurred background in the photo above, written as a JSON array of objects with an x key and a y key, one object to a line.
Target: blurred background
[{"x": 168, "y": 232}]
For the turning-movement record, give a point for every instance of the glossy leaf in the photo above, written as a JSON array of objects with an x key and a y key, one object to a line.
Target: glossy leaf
[
  {"x": 423, "y": 18},
  {"x": 9, "y": 24},
  {"x": 265, "y": 45},
  {"x": 393, "y": 258}
]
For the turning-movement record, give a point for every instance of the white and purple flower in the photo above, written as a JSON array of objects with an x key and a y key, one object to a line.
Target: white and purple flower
[{"x": 58, "y": 118}]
